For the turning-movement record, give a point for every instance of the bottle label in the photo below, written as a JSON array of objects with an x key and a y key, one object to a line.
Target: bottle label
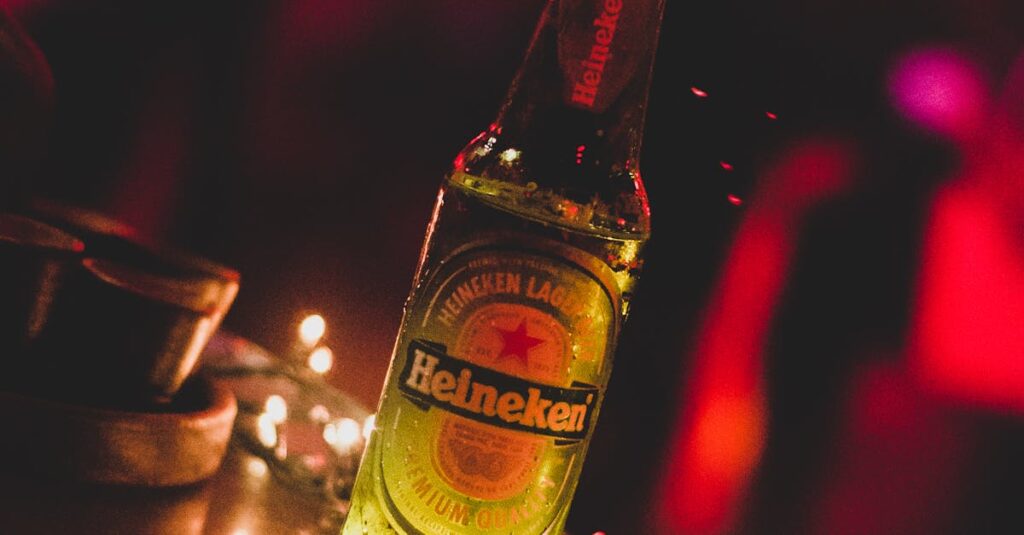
[
  {"x": 500, "y": 375},
  {"x": 600, "y": 44}
]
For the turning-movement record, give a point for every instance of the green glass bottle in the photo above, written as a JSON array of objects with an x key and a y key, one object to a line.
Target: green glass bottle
[{"x": 529, "y": 263}]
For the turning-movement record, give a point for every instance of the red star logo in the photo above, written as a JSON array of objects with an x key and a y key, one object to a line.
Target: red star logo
[{"x": 517, "y": 343}]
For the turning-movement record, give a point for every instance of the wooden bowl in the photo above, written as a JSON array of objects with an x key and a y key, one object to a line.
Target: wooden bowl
[{"x": 183, "y": 443}]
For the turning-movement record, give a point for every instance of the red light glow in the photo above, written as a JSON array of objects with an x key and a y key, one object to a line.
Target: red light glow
[
  {"x": 698, "y": 92},
  {"x": 734, "y": 200},
  {"x": 725, "y": 165},
  {"x": 720, "y": 431},
  {"x": 808, "y": 172},
  {"x": 968, "y": 336},
  {"x": 899, "y": 459}
]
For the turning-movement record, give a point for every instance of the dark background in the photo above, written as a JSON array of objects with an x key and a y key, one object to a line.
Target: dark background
[{"x": 302, "y": 143}]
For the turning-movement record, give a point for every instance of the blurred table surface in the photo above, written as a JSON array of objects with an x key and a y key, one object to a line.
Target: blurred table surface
[
  {"x": 246, "y": 496},
  {"x": 242, "y": 498}
]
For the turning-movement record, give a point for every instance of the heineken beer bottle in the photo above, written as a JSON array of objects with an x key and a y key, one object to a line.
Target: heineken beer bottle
[{"x": 525, "y": 277}]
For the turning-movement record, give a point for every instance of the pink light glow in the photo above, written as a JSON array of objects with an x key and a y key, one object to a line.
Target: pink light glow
[
  {"x": 940, "y": 90},
  {"x": 699, "y": 92}
]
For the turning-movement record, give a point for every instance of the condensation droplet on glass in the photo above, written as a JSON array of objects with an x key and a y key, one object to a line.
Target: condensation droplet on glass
[{"x": 509, "y": 156}]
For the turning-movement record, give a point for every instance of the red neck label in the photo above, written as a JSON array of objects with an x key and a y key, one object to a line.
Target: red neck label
[
  {"x": 584, "y": 92},
  {"x": 600, "y": 43}
]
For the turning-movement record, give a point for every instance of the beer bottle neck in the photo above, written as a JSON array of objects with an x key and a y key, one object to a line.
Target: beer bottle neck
[
  {"x": 581, "y": 92},
  {"x": 566, "y": 143}
]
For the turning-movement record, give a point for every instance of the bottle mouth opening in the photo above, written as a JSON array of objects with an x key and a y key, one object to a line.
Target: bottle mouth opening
[{"x": 21, "y": 230}]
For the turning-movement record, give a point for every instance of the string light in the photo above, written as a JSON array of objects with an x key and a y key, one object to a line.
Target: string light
[
  {"x": 319, "y": 414},
  {"x": 256, "y": 467},
  {"x": 276, "y": 409},
  {"x": 321, "y": 360},
  {"x": 266, "y": 430},
  {"x": 312, "y": 329},
  {"x": 368, "y": 426},
  {"x": 342, "y": 434}
]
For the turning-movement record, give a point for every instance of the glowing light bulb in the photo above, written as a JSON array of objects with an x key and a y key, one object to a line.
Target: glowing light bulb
[
  {"x": 321, "y": 360},
  {"x": 256, "y": 467},
  {"x": 369, "y": 425},
  {"x": 342, "y": 434},
  {"x": 319, "y": 414},
  {"x": 312, "y": 329},
  {"x": 266, "y": 430},
  {"x": 276, "y": 409}
]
